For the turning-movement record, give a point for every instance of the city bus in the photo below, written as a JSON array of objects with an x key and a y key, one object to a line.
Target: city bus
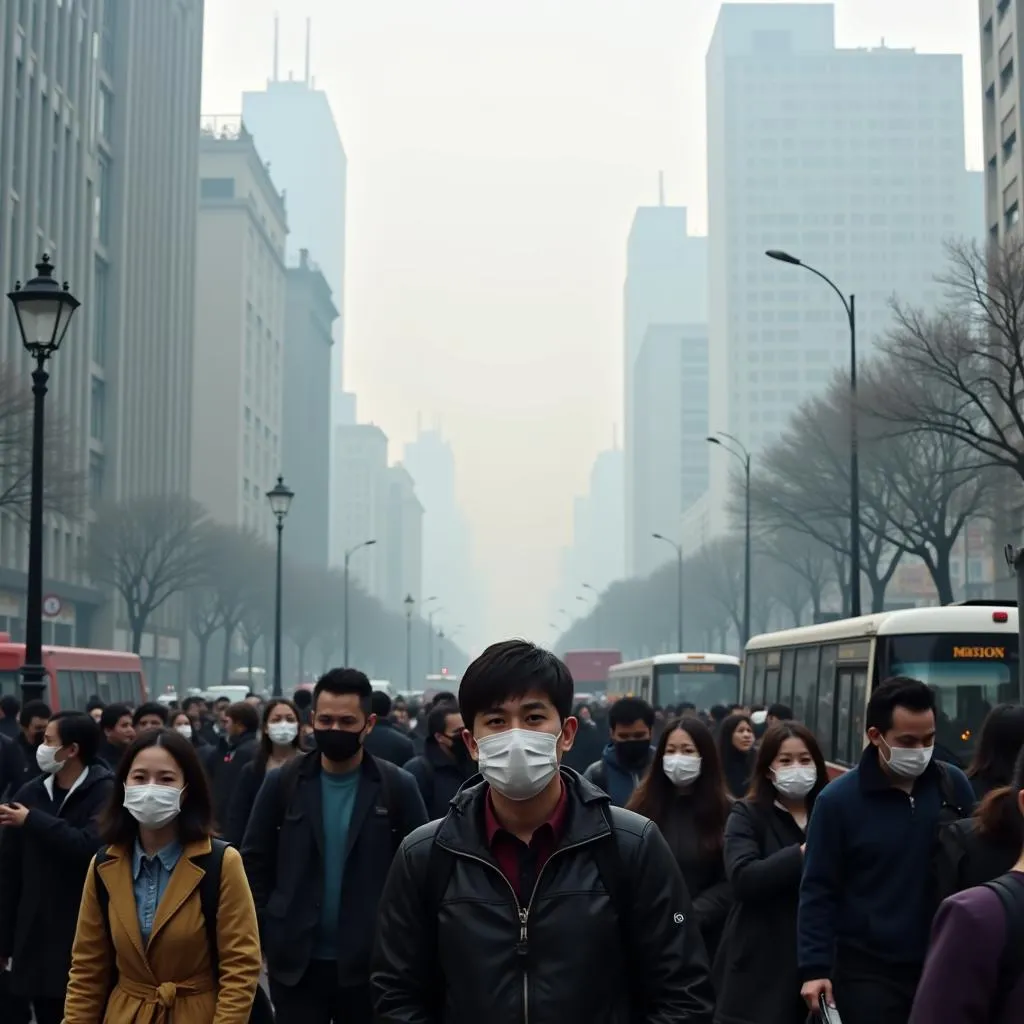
[
  {"x": 966, "y": 652},
  {"x": 667, "y": 680},
  {"x": 75, "y": 674}
]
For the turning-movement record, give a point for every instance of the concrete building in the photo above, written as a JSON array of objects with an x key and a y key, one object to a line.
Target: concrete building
[
  {"x": 239, "y": 332},
  {"x": 666, "y": 283},
  {"x": 306, "y": 424},
  {"x": 98, "y": 107},
  {"x": 853, "y": 161},
  {"x": 670, "y": 402},
  {"x": 403, "y": 545}
]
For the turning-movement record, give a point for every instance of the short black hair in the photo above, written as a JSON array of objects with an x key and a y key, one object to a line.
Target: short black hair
[
  {"x": 34, "y": 709},
  {"x": 442, "y": 697},
  {"x": 380, "y": 703},
  {"x": 10, "y": 706},
  {"x": 78, "y": 727},
  {"x": 221, "y": 702},
  {"x": 190, "y": 702},
  {"x": 112, "y": 714},
  {"x": 780, "y": 711},
  {"x": 897, "y": 692},
  {"x": 195, "y": 822},
  {"x": 627, "y": 710},
  {"x": 151, "y": 707},
  {"x": 339, "y": 681},
  {"x": 93, "y": 704},
  {"x": 512, "y": 669},
  {"x": 437, "y": 719},
  {"x": 244, "y": 714},
  {"x": 733, "y": 708},
  {"x": 719, "y": 712},
  {"x": 303, "y": 699}
]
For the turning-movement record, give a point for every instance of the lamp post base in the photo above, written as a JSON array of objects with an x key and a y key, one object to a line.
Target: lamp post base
[{"x": 33, "y": 683}]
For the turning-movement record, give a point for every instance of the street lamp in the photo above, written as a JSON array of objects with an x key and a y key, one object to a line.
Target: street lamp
[
  {"x": 408, "y": 602},
  {"x": 280, "y": 498},
  {"x": 679, "y": 583},
  {"x": 738, "y": 450},
  {"x": 850, "y": 305},
  {"x": 348, "y": 555},
  {"x": 43, "y": 310},
  {"x": 597, "y": 612},
  {"x": 430, "y": 634}
]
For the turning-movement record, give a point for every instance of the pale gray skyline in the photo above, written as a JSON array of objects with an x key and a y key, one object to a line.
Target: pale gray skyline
[{"x": 497, "y": 152}]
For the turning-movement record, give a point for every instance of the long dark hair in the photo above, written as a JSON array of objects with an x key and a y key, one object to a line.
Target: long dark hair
[
  {"x": 1001, "y": 740},
  {"x": 727, "y": 752},
  {"x": 999, "y": 818},
  {"x": 195, "y": 822},
  {"x": 762, "y": 789},
  {"x": 654, "y": 796},
  {"x": 266, "y": 747}
]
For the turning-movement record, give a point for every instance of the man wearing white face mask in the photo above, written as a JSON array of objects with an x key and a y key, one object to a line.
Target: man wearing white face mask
[
  {"x": 866, "y": 901},
  {"x": 48, "y": 834},
  {"x": 495, "y": 912}
]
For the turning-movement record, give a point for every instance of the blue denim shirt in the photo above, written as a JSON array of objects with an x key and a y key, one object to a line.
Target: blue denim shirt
[{"x": 151, "y": 875}]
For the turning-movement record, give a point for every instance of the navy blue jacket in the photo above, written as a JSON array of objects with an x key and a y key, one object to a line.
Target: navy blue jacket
[
  {"x": 615, "y": 779},
  {"x": 867, "y": 871}
]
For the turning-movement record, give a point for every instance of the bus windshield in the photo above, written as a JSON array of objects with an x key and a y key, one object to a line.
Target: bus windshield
[
  {"x": 702, "y": 685},
  {"x": 970, "y": 674}
]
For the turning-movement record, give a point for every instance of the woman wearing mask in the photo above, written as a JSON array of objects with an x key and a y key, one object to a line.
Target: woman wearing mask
[
  {"x": 756, "y": 969},
  {"x": 736, "y": 749},
  {"x": 142, "y": 949},
  {"x": 684, "y": 795},
  {"x": 182, "y": 725},
  {"x": 972, "y": 974},
  {"x": 279, "y": 743}
]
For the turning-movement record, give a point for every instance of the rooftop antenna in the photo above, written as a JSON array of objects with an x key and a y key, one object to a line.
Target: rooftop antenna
[
  {"x": 277, "y": 36},
  {"x": 308, "y": 36},
  {"x": 661, "y": 188}
]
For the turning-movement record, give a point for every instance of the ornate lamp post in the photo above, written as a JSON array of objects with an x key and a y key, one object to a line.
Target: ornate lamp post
[{"x": 280, "y": 498}]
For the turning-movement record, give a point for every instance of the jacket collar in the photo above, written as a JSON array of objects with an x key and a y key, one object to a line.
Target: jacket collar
[
  {"x": 92, "y": 774},
  {"x": 463, "y": 830},
  {"x": 311, "y": 766},
  {"x": 873, "y": 778}
]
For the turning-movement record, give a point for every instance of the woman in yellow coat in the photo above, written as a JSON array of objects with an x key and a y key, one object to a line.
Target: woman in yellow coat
[{"x": 141, "y": 952}]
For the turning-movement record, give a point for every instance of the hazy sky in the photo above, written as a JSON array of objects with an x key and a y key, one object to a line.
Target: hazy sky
[{"x": 497, "y": 150}]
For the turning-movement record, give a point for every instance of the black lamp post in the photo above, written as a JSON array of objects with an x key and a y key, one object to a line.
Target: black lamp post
[
  {"x": 348, "y": 555},
  {"x": 43, "y": 310},
  {"x": 851, "y": 315},
  {"x": 409, "y": 602},
  {"x": 738, "y": 450},
  {"x": 679, "y": 584},
  {"x": 280, "y": 498}
]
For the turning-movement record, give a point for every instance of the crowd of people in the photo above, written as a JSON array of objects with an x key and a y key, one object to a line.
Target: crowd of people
[{"x": 339, "y": 857}]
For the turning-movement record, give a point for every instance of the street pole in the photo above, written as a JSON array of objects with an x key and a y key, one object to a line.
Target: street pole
[
  {"x": 1015, "y": 559},
  {"x": 855, "y": 608},
  {"x": 409, "y": 602},
  {"x": 277, "y": 612},
  {"x": 348, "y": 557},
  {"x": 679, "y": 595},
  {"x": 746, "y": 559}
]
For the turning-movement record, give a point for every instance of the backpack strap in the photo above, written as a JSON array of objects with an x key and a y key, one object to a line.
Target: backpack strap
[
  {"x": 612, "y": 869},
  {"x": 389, "y": 799},
  {"x": 1010, "y": 890},
  {"x": 209, "y": 896},
  {"x": 287, "y": 786},
  {"x": 948, "y": 792}
]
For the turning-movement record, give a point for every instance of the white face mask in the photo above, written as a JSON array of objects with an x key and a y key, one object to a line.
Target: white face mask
[
  {"x": 681, "y": 768},
  {"x": 46, "y": 758},
  {"x": 518, "y": 763},
  {"x": 908, "y": 762},
  {"x": 795, "y": 780},
  {"x": 282, "y": 733},
  {"x": 153, "y": 806},
  {"x": 184, "y": 730}
]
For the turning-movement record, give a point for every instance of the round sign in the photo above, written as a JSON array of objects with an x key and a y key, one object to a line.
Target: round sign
[{"x": 51, "y": 605}]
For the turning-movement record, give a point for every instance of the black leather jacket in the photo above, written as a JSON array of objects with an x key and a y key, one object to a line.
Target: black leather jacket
[{"x": 459, "y": 963}]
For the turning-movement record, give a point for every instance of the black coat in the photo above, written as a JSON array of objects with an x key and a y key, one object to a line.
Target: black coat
[
  {"x": 11, "y": 774},
  {"x": 576, "y": 963},
  {"x": 385, "y": 741},
  {"x": 42, "y": 871},
  {"x": 756, "y": 972},
  {"x": 225, "y": 769},
  {"x": 438, "y": 776},
  {"x": 27, "y": 758},
  {"x": 283, "y": 854},
  {"x": 109, "y": 754},
  {"x": 965, "y": 858},
  {"x": 703, "y": 871},
  {"x": 738, "y": 768},
  {"x": 587, "y": 747},
  {"x": 243, "y": 799}
]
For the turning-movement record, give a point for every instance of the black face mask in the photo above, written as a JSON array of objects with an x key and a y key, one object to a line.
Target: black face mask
[
  {"x": 459, "y": 751},
  {"x": 338, "y": 744},
  {"x": 633, "y": 753}
]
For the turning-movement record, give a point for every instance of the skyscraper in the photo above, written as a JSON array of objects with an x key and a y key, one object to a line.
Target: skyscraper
[
  {"x": 403, "y": 542},
  {"x": 853, "y": 161},
  {"x": 666, "y": 283}
]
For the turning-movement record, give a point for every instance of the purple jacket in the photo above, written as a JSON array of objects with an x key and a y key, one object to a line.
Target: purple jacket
[{"x": 961, "y": 974}]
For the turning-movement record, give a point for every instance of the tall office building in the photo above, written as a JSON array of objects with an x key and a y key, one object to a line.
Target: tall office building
[
  {"x": 670, "y": 399},
  {"x": 666, "y": 283},
  {"x": 98, "y": 107},
  {"x": 403, "y": 543},
  {"x": 853, "y": 161},
  {"x": 239, "y": 332},
  {"x": 306, "y": 416}
]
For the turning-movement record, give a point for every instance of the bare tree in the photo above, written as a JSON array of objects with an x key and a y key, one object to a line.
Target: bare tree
[
  {"x": 63, "y": 484},
  {"x": 803, "y": 573},
  {"x": 203, "y": 623},
  {"x": 314, "y": 605},
  {"x": 148, "y": 550}
]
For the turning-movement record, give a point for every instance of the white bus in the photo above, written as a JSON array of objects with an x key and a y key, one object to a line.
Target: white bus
[
  {"x": 966, "y": 652},
  {"x": 667, "y": 680}
]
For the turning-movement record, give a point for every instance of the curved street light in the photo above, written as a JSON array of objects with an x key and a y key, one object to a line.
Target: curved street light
[
  {"x": 409, "y": 602},
  {"x": 348, "y": 555},
  {"x": 679, "y": 583},
  {"x": 738, "y": 450}
]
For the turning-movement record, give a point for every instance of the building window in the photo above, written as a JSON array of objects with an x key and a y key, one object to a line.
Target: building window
[
  {"x": 1009, "y": 145},
  {"x": 100, "y": 306},
  {"x": 102, "y": 227},
  {"x": 987, "y": 41},
  {"x": 217, "y": 188},
  {"x": 104, "y": 104},
  {"x": 97, "y": 410},
  {"x": 109, "y": 30},
  {"x": 1004, "y": 6},
  {"x": 1012, "y": 215},
  {"x": 1006, "y": 76},
  {"x": 95, "y": 478}
]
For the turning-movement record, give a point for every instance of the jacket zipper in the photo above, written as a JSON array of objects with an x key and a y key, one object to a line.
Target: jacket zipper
[{"x": 523, "y": 912}]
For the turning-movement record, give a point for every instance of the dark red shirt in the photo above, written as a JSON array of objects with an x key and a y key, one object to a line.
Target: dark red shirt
[{"x": 520, "y": 862}]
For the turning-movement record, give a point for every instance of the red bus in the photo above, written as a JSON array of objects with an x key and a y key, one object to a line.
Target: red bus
[
  {"x": 75, "y": 674},
  {"x": 589, "y": 669}
]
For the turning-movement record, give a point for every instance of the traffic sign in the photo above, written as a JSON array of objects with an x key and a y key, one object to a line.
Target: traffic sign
[{"x": 52, "y": 606}]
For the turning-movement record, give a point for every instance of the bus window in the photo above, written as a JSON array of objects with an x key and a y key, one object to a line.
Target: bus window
[
  {"x": 785, "y": 694},
  {"x": 748, "y": 679},
  {"x": 80, "y": 690},
  {"x": 826, "y": 699},
  {"x": 133, "y": 691},
  {"x": 10, "y": 684},
  {"x": 96, "y": 686},
  {"x": 844, "y": 692},
  {"x": 757, "y": 682},
  {"x": 859, "y": 711},
  {"x": 805, "y": 681},
  {"x": 65, "y": 692}
]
